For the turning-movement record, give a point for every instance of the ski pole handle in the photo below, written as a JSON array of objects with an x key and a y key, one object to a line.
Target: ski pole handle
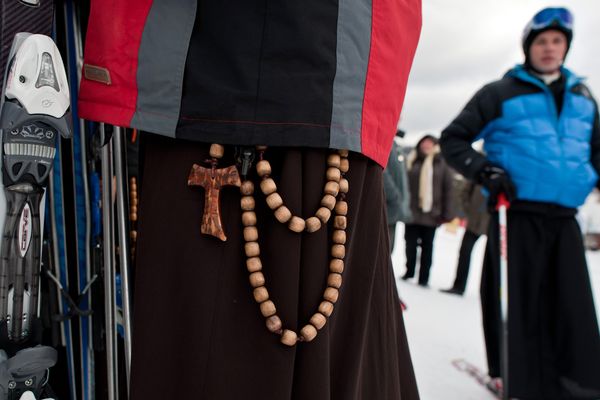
[{"x": 502, "y": 202}]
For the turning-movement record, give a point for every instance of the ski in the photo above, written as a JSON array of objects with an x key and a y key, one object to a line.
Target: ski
[
  {"x": 494, "y": 385},
  {"x": 33, "y": 114},
  {"x": 82, "y": 234},
  {"x": 33, "y": 16}
]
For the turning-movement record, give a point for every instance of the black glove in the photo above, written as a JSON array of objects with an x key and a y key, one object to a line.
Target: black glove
[{"x": 496, "y": 181}]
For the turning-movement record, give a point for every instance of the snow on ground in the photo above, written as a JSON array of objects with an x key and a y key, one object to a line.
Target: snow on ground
[{"x": 443, "y": 327}]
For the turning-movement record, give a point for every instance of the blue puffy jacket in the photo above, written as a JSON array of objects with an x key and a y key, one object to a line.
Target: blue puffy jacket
[{"x": 551, "y": 157}]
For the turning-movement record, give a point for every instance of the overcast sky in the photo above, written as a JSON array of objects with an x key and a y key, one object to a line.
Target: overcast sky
[{"x": 467, "y": 43}]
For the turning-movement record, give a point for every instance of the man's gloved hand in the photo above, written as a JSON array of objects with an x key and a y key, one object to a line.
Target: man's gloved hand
[{"x": 496, "y": 181}]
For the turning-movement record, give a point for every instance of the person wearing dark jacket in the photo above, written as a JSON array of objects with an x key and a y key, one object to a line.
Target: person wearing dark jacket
[
  {"x": 299, "y": 101},
  {"x": 397, "y": 192},
  {"x": 541, "y": 136},
  {"x": 430, "y": 182},
  {"x": 473, "y": 203}
]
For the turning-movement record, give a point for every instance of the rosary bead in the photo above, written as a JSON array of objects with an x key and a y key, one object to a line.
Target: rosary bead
[
  {"x": 289, "y": 338},
  {"x": 336, "y": 186},
  {"x": 332, "y": 188},
  {"x": 268, "y": 186},
  {"x": 336, "y": 265},
  {"x": 253, "y": 264},
  {"x": 328, "y": 201},
  {"x": 308, "y": 333},
  {"x": 257, "y": 279},
  {"x": 333, "y": 174},
  {"x": 247, "y": 188},
  {"x": 339, "y": 222},
  {"x": 337, "y": 251},
  {"x": 133, "y": 235},
  {"x": 323, "y": 214},
  {"x": 251, "y": 234},
  {"x": 318, "y": 320},
  {"x": 247, "y": 203},
  {"x": 313, "y": 224},
  {"x": 326, "y": 308},
  {"x": 297, "y": 224},
  {"x": 249, "y": 218},
  {"x": 339, "y": 236},
  {"x": 334, "y": 280},
  {"x": 334, "y": 160},
  {"x": 252, "y": 249},
  {"x": 274, "y": 324},
  {"x": 267, "y": 308},
  {"x": 260, "y": 294},
  {"x": 341, "y": 208},
  {"x": 274, "y": 201},
  {"x": 331, "y": 294},
  {"x": 344, "y": 165},
  {"x": 216, "y": 150},
  {"x": 133, "y": 216},
  {"x": 263, "y": 168},
  {"x": 343, "y": 185},
  {"x": 283, "y": 214}
]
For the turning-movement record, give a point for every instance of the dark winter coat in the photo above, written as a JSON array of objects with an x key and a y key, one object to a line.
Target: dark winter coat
[
  {"x": 474, "y": 205},
  {"x": 551, "y": 150},
  {"x": 313, "y": 73},
  {"x": 443, "y": 207},
  {"x": 395, "y": 185}
]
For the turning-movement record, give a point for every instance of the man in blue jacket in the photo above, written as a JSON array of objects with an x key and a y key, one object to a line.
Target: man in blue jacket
[{"x": 541, "y": 132}]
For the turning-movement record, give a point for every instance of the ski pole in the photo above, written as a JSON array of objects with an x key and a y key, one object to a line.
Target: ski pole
[
  {"x": 109, "y": 270},
  {"x": 502, "y": 207},
  {"x": 120, "y": 172}
]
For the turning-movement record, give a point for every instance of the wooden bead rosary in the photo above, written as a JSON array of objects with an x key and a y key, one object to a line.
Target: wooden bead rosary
[
  {"x": 133, "y": 214},
  {"x": 333, "y": 201}
]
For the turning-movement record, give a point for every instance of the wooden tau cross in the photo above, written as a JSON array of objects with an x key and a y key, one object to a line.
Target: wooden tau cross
[{"x": 212, "y": 180}]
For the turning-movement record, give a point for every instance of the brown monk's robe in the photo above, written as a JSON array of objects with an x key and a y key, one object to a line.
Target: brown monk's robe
[{"x": 198, "y": 333}]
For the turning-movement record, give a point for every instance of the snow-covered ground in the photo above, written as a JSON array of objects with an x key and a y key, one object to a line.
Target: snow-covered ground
[{"x": 443, "y": 327}]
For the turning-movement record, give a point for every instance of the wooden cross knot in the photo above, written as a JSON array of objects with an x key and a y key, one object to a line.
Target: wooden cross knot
[{"x": 212, "y": 180}]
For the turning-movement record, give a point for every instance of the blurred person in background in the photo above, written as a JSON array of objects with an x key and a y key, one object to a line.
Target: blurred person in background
[
  {"x": 473, "y": 203},
  {"x": 541, "y": 132},
  {"x": 430, "y": 181},
  {"x": 395, "y": 185}
]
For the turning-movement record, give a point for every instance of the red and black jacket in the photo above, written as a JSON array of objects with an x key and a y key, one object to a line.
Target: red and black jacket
[{"x": 282, "y": 73}]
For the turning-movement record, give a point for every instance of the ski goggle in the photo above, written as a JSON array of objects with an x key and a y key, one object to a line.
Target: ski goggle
[{"x": 551, "y": 17}]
